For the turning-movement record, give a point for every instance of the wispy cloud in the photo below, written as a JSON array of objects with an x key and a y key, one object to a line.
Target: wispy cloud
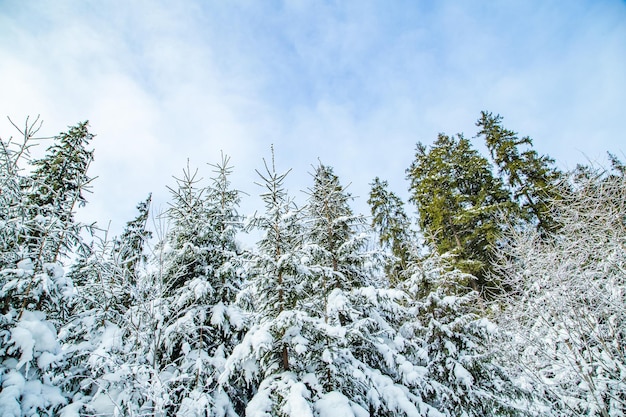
[{"x": 353, "y": 83}]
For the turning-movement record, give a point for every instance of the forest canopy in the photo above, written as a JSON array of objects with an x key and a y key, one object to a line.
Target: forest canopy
[{"x": 504, "y": 296}]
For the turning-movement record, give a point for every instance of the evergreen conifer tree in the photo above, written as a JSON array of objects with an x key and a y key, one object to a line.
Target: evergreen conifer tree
[
  {"x": 393, "y": 227},
  {"x": 129, "y": 247},
  {"x": 275, "y": 272},
  {"x": 203, "y": 275},
  {"x": 532, "y": 178},
  {"x": 349, "y": 351},
  {"x": 13, "y": 210},
  {"x": 336, "y": 235},
  {"x": 463, "y": 376},
  {"x": 459, "y": 202},
  {"x": 209, "y": 323},
  {"x": 56, "y": 187},
  {"x": 108, "y": 278},
  {"x": 186, "y": 243},
  {"x": 38, "y": 231},
  {"x": 277, "y": 282}
]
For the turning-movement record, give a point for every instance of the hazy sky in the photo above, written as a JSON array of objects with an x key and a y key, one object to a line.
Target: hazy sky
[{"x": 353, "y": 83}]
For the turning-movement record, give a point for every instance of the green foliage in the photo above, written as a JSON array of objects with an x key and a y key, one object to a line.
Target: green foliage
[
  {"x": 459, "y": 202},
  {"x": 532, "y": 178}
]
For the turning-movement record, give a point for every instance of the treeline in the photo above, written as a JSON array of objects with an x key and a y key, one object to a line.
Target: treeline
[{"x": 504, "y": 297}]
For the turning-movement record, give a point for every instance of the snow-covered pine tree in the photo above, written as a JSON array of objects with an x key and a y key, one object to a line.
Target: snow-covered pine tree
[
  {"x": 56, "y": 188},
  {"x": 341, "y": 267},
  {"x": 157, "y": 337},
  {"x": 129, "y": 247},
  {"x": 336, "y": 236},
  {"x": 38, "y": 231},
  {"x": 204, "y": 266},
  {"x": 120, "y": 328},
  {"x": 275, "y": 271},
  {"x": 226, "y": 222},
  {"x": 149, "y": 348},
  {"x": 13, "y": 210},
  {"x": 277, "y": 282},
  {"x": 393, "y": 227},
  {"x": 460, "y": 368},
  {"x": 212, "y": 323},
  {"x": 186, "y": 243},
  {"x": 103, "y": 365},
  {"x": 105, "y": 273},
  {"x": 401, "y": 354},
  {"x": 347, "y": 349}
]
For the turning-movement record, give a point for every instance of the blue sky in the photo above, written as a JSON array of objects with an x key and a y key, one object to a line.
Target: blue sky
[{"x": 353, "y": 83}]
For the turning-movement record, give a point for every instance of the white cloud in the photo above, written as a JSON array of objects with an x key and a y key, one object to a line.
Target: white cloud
[{"x": 355, "y": 84}]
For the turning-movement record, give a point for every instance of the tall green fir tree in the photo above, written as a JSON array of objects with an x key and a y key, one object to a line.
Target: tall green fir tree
[
  {"x": 459, "y": 202},
  {"x": 533, "y": 179}
]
